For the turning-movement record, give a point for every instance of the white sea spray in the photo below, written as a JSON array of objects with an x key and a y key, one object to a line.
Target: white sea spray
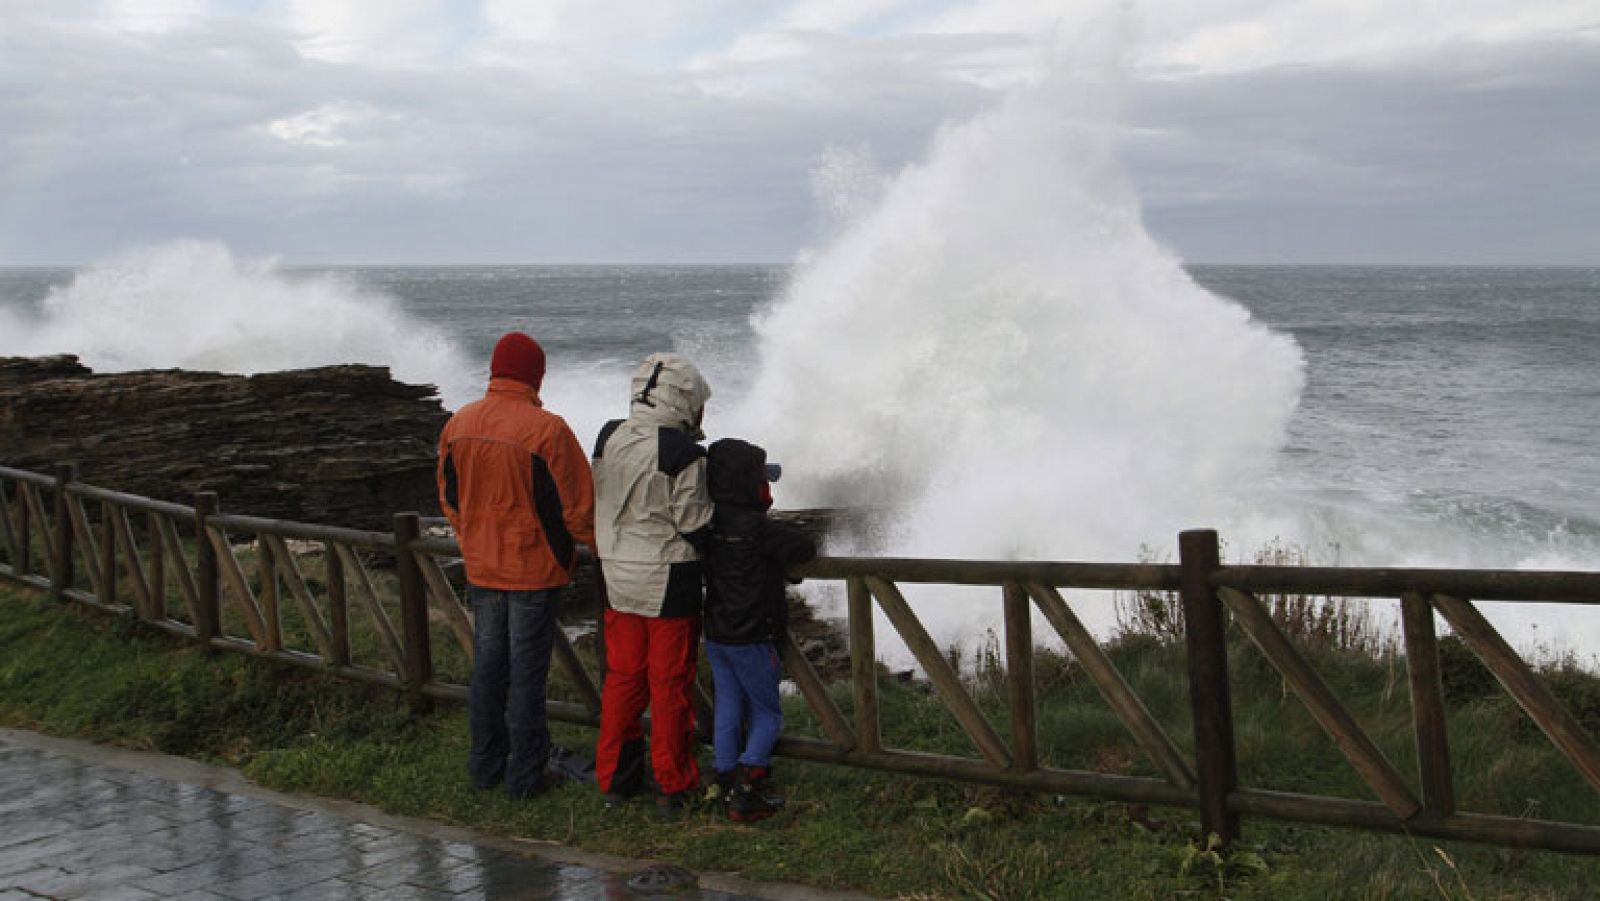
[
  {"x": 1000, "y": 351},
  {"x": 194, "y": 305}
]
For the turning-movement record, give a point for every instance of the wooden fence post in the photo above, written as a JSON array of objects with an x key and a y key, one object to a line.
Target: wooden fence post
[
  {"x": 1206, "y": 640},
  {"x": 864, "y": 668},
  {"x": 158, "y": 568},
  {"x": 418, "y": 670},
  {"x": 61, "y": 563},
  {"x": 108, "y": 557},
  {"x": 24, "y": 564},
  {"x": 268, "y": 595},
  {"x": 338, "y": 605},
  {"x": 1427, "y": 705},
  {"x": 1019, "y": 679},
  {"x": 208, "y": 612}
]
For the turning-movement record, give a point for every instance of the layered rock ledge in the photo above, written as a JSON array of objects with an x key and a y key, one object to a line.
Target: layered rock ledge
[{"x": 342, "y": 445}]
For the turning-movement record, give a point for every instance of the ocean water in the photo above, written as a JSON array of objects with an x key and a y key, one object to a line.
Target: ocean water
[
  {"x": 1452, "y": 414},
  {"x": 1452, "y": 402}
]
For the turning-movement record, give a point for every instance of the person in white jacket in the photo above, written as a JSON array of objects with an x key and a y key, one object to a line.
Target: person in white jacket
[{"x": 652, "y": 517}]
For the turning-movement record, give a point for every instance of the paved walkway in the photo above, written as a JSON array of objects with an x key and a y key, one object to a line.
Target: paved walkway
[{"x": 84, "y": 821}]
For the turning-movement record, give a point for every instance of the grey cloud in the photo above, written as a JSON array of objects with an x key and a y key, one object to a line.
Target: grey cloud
[
  {"x": 162, "y": 136},
  {"x": 1475, "y": 155},
  {"x": 1478, "y": 155}
]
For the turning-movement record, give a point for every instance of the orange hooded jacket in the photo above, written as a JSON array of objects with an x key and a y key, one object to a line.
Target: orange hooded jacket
[{"x": 515, "y": 484}]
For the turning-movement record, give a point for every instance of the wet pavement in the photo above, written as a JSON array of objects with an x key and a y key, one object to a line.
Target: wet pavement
[{"x": 73, "y": 826}]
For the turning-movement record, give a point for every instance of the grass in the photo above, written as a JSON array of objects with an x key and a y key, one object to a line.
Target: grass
[{"x": 70, "y": 672}]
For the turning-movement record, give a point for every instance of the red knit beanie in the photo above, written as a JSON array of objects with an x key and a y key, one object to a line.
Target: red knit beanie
[{"x": 516, "y": 356}]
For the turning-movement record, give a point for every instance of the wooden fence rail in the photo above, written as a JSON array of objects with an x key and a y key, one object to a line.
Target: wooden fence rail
[{"x": 237, "y": 583}]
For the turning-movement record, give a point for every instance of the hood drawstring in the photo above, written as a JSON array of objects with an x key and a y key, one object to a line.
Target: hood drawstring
[
  {"x": 643, "y": 397},
  {"x": 667, "y": 390}
]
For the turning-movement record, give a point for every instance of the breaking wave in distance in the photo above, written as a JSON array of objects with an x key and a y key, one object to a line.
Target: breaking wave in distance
[{"x": 193, "y": 305}]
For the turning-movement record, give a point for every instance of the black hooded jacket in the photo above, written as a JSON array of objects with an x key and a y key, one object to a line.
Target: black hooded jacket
[{"x": 745, "y": 560}]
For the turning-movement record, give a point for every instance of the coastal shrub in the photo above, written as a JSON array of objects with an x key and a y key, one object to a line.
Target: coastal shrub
[
  {"x": 1148, "y": 616},
  {"x": 1054, "y": 671},
  {"x": 1313, "y": 622},
  {"x": 1153, "y": 616},
  {"x": 1465, "y": 677},
  {"x": 1577, "y": 690}
]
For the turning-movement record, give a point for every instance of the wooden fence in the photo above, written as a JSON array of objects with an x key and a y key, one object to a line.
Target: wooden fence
[{"x": 54, "y": 529}]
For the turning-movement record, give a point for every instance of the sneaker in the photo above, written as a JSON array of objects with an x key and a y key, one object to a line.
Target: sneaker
[
  {"x": 752, "y": 798},
  {"x": 761, "y": 778},
  {"x": 717, "y": 791},
  {"x": 616, "y": 800}
]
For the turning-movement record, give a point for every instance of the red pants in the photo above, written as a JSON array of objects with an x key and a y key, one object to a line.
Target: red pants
[{"x": 649, "y": 661}]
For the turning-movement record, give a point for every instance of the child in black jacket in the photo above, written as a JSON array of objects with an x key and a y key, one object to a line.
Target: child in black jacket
[{"x": 746, "y": 616}]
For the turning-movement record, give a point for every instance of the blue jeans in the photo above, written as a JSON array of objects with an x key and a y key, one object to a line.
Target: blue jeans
[
  {"x": 746, "y": 679},
  {"x": 511, "y": 639}
]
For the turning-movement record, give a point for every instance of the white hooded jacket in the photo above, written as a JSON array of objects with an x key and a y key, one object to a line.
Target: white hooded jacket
[{"x": 652, "y": 502}]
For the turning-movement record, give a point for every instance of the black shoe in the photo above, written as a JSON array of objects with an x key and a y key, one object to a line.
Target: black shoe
[
  {"x": 617, "y": 800},
  {"x": 631, "y": 775},
  {"x": 546, "y": 781},
  {"x": 487, "y": 783},
  {"x": 569, "y": 766},
  {"x": 672, "y": 807},
  {"x": 752, "y": 799},
  {"x": 746, "y": 805}
]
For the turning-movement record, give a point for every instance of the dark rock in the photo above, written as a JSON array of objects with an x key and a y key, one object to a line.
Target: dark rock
[
  {"x": 26, "y": 369},
  {"x": 343, "y": 445}
]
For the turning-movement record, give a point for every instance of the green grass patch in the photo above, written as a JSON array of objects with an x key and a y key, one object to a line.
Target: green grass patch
[{"x": 72, "y": 672}]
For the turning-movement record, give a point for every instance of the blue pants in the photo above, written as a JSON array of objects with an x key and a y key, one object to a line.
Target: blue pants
[
  {"x": 511, "y": 639},
  {"x": 746, "y": 679}
]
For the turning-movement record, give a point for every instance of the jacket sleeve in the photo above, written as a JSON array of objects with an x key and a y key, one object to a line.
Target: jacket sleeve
[
  {"x": 574, "y": 480},
  {"x": 691, "y": 502},
  {"x": 446, "y": 475},
  {"x": 785, "y": 544}
]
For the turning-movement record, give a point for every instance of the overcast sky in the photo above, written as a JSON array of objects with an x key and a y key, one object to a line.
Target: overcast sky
[{"x": 431, "y": 131}]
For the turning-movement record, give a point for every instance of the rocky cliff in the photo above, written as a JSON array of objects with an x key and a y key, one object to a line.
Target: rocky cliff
[{"x": 343, "y": 445}]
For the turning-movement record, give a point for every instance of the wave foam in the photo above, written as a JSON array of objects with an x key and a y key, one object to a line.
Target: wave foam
[
  {"x": 1000, "y": 351},
  {"x": 193, "y": 305}
]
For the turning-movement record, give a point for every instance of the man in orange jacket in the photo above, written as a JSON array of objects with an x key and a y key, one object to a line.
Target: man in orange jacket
[{"x": 515, "y": 484}]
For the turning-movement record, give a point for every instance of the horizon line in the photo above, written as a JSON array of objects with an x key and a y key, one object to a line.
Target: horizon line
[{"x": 286, "y": 264}]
